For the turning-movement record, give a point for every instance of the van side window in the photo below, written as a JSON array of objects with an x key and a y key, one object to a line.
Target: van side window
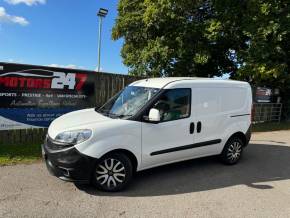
[{"x": 174, "y": 104}]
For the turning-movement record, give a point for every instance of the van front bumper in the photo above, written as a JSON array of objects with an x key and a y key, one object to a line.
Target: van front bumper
[{"x": 68, "y": 164}]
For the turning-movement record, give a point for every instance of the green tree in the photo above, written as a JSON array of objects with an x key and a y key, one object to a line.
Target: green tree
[
  {"x": 173, "y": 38},
  {"x": 265, "y": 61},
  {"x": 247, "y": 38}
]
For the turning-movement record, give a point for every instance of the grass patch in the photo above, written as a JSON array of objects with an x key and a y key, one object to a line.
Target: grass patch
[
  {"x": 19, "y": 154},
  {"x": 267, "y": 127}
]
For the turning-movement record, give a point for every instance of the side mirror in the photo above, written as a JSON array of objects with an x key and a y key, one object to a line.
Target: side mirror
[{"x": 154, "y": 115}]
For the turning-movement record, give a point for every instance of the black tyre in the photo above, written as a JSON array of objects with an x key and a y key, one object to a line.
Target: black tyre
[
  {"x": 232, "y": 151},
  {"x": 113, "y": 172}
]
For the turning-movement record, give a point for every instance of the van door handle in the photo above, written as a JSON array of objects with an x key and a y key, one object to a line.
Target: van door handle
[
  {"x": 191, "y": 128},
  {"x": 198, "y": 128}
]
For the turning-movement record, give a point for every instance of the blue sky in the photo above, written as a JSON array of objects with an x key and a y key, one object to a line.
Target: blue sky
[{"x": 58, "y": 32}]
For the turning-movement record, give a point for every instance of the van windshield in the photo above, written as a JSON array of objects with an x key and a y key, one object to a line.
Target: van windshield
[{"x": 128, "y": 102}]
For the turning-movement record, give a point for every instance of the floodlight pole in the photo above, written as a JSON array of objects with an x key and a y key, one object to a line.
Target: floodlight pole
[
  {"x": 99, "y": 42},
  {"x": 101, "y": 14}
]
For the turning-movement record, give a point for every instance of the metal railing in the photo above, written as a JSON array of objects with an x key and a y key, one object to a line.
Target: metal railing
[{"x": 267, "y": 112}]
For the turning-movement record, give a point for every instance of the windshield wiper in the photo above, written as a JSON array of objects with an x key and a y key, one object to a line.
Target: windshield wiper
[
  {"x": 102, "y": 111},
  {"x": 123, "y": 115},
  {"x": 120, "y": 116},
  {"x": 112, "y": 115}
]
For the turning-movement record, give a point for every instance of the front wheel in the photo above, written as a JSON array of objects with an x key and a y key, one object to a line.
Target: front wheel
[
  {"x": 113, "y": 172},
  {"x": 232, "y": 151}
]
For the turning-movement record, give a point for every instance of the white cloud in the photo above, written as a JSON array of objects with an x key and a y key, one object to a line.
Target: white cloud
[
  {"x": 7, "y": 18},
  {"x": 27, "y": 2}
]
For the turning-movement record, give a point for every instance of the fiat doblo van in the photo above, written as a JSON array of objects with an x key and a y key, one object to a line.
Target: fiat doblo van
[{"x": 150, "y": 123}]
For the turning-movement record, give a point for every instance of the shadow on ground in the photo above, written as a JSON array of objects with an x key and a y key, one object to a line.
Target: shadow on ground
[{"x": 261, "y": 163}]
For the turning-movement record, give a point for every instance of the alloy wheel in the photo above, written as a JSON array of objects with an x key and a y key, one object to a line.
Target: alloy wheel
[
  {"x": 110, "y": 173},
  {"x": 234, "y": 151}
]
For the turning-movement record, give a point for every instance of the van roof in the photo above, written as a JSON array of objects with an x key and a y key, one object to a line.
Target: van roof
[{"x": 162, "y": 82}]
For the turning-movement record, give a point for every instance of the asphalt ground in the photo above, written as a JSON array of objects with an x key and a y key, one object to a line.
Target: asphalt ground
[{"x": 259, "y": 186}]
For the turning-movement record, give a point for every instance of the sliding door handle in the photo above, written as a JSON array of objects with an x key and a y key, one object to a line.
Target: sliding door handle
[
  {"x": 191, "y": 128},
  {"x": 198, "y": 128}
]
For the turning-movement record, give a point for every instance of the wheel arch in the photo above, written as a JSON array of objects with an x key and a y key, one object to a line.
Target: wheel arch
[
  {"x": 129, "y": 154},
  {"x": 241, "y": 136}
]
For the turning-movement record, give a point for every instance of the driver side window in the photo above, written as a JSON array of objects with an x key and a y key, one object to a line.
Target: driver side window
[{"x": 174, "y": 104}]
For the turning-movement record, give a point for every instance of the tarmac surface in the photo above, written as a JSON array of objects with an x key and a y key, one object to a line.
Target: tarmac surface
[{"x": 259, "y": 186}]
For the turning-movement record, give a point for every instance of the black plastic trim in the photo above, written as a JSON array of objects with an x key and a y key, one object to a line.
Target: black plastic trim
[
  {"x": 185, "y": 147},
  {"x": 191, "y": 128},
  {"x": 240, "y": 115},
  {"x": 68, "y": 164},
  {"x": 198, "y": 128},
  {"x": 248, "y": 135}
]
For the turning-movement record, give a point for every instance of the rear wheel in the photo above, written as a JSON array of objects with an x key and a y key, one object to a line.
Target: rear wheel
[
  {"x": 232, "y": 151},
  {"x": 113, "y": 172}
]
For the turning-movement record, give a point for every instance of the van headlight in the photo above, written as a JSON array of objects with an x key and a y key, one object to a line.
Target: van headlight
[{"x": 74, "y": 136}]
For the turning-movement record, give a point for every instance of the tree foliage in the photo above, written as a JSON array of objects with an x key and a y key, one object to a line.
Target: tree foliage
[
  {"x": 247, "y": 38},
  {"x": 265, "y": 61}
]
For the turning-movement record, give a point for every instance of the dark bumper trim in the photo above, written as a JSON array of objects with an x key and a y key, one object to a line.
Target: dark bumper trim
[
  {"x": 248, "y": 135},
  {"x": 69, "y": 165}
]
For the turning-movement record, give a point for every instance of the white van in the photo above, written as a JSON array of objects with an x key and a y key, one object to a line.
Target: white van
[{"x": 151, "y": 122}]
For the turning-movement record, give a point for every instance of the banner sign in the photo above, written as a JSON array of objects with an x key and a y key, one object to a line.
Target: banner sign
[
  {"x": 263, "y": 95},
  {"x": 33, "y": 96}
]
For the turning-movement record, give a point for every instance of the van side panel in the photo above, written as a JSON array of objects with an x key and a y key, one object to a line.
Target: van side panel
[
  {"x": 222, "y": 111},
  {"x": 245, "y": 121},
  {"x": 236, "y": 110}
]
